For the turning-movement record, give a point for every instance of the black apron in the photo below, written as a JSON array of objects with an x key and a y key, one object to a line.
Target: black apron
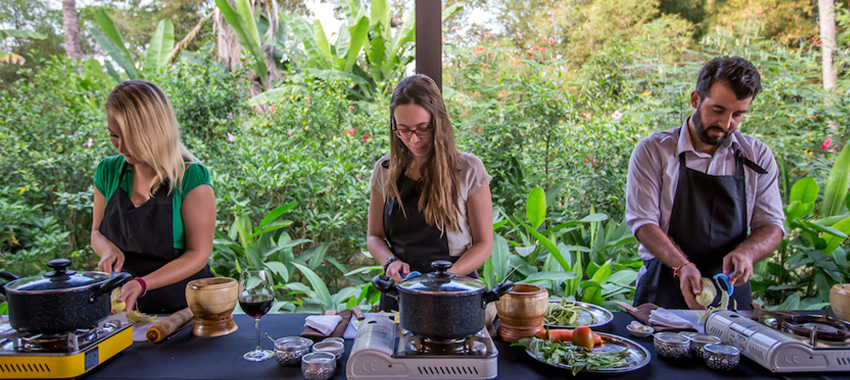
[
  {"x": 708, "y": 220},
  {"x": 410, "y": 238},
  {"x": 145, "y": 235}
]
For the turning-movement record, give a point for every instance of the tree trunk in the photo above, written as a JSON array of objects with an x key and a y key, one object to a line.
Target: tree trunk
[
  {"x": 826, "y": 15},
  {"x": 72, "y": 29}
]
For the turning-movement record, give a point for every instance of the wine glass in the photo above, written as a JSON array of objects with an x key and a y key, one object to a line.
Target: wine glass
[{"x": 255, "y": 300}]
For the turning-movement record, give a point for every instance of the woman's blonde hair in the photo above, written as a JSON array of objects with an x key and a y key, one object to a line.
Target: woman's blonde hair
[
  {"x": 440, "y": 184},
  {"x": 149, "y": 130}
]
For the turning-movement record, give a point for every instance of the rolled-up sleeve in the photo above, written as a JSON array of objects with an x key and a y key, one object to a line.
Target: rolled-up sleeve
[
  {"x": 643, "y": 187},
  {"x": 767, "y": 205}
]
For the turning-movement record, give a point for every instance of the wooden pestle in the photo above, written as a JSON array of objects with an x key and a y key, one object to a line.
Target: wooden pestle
[{"x": 169, "y": 325}]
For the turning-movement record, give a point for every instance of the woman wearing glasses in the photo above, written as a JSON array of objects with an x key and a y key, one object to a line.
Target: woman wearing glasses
[{"x": 429, "y": 202}]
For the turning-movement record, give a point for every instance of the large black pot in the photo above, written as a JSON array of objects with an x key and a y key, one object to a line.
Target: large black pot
[
  {"x": 61, "y": 300},
  {"x": 441, "y": 305}
]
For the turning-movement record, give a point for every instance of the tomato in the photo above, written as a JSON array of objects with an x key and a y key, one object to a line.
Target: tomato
[{"x": 583, "y": 336}]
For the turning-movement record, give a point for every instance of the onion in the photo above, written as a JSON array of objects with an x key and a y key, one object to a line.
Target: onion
[{"x": 708, "y": 292}]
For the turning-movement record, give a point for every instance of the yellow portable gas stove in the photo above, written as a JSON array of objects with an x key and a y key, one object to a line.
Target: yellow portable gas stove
[{"x": 60, "y": 356}]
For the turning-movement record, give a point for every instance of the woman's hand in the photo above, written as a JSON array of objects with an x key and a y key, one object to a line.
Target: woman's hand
[
  {"x": 129, "y": 294},
  {"x": 397, "y": 270},
  {"x": 111, "y": 260}
]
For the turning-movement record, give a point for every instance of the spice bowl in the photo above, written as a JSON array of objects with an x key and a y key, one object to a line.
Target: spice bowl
[
  {"x": 334, "y": 339},
  {"x": 318, "y": 365},
  {"x": 334, "y": 348},
  {"x": 639, "y": 330},
  {"x": 698, "y": 342},
  {"x": 721, "y": 357},
  {"x": 672, "y": 346},
  {"x": 289, "y": 349}
]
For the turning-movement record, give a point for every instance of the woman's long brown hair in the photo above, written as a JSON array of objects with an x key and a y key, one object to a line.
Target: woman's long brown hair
[{"x": 438, "y": 202}]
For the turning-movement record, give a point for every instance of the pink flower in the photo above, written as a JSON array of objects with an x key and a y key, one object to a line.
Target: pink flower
[
  {"x": 351, "y": 108},
  {"x": 88, "y": 143},
  {"x": 826, "y": 143},
  {"x": 230, "y": 137},
  {"x": 551, "y": 41},
  {"x": 365, "y": 138},
  {"x": 230, "y": 116},
  {"x": 272, "y": 109},
  {"x": 350, "y": 132},
  {"x": 288, "y": 134},
  {"x": 617, "y": 115}
]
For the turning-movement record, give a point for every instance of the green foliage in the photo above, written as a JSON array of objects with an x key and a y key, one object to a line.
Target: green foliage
[
  {"x": 810, "y": 258},
  {"x": 585, "y": 259},
  {"x": 159, "y": 48},
  {"x": 242, "y": 20}
]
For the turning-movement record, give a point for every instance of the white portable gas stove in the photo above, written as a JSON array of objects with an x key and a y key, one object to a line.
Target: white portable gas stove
[
  {"x": 793, "y": 344},
  {"x": 60, "y": 356},
  {"x": 383, "y": 350}
]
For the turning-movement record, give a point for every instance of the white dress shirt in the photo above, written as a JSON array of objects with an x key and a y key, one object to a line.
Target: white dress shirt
[{"x": 654, "y": 175}]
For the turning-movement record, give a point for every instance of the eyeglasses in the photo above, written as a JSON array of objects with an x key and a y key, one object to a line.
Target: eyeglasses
[{"x": 407, "y": 133}]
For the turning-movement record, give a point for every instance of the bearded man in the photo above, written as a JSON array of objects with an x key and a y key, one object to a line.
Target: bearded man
[{"x": 703, "y": 198}]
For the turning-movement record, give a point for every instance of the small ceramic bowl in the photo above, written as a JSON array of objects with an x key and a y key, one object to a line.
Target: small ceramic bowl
[
  {"x": 672, "y": 346},
  {"x": 289, "y": 350},
  {"x": 721, "y": 357},
  {"x": 639, "y": 330},
  {"x": 698, "y": 342}
]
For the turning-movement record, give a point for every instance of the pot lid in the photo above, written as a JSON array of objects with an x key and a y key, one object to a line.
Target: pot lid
[
  {"x": 59, "y": 278},
  {"x": 442, "y": 282}
]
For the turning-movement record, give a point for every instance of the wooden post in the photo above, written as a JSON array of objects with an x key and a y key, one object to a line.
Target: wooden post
[{"x": 429, "y": 39}]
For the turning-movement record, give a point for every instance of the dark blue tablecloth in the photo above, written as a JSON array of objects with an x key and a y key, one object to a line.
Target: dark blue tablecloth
[{"x": 185, "y": 356}]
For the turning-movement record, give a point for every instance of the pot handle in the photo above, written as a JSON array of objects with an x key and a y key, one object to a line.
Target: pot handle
[
  {"x": 113, "y": 282},
  {"x": 385, "y": 285},
  {"x": 9, "y": 278},
  {"x": 497, "y": 292}
]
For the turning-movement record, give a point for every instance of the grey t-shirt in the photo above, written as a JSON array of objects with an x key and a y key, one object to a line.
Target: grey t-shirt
[{"x": 472, "y": 176}]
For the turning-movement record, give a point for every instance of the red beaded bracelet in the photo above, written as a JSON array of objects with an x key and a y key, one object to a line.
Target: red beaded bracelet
[
  {"x": 143, "y": 284},
  {"x": 678, "y": 268}
]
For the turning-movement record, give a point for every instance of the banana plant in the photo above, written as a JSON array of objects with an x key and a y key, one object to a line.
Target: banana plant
[
  {"x": 157, "y": 55},
  {"x": 244, "y": 24},
  {"x": 9, "y": 57},
  {"x": 367, "y": 51}
]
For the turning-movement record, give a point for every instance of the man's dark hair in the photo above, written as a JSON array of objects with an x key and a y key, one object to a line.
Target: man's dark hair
[{"x": 738, "y": 73}]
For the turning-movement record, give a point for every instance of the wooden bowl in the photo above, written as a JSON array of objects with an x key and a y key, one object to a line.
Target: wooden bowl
[
  {"x": 212, "y": 301},
  {"x": 524, "y": 302},
  {"x": 839, "y": 300}
]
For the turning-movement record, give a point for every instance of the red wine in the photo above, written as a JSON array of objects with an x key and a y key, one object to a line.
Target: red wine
[{"x": 256, "y": 305}]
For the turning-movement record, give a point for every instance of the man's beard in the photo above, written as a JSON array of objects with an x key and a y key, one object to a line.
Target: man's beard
[{"x": 702, "y": 131}]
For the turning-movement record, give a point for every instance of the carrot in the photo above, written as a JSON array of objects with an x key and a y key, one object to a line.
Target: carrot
[{"x": 564, "y": 335}]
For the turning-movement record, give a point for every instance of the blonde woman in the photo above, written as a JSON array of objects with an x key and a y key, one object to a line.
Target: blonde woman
[
  {"x": 429, "y": 202},
  {"x": 154, "y": 206}
]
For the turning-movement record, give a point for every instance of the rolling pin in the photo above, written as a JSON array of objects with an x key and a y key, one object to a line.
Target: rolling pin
[{"x": 169, "y": 325}]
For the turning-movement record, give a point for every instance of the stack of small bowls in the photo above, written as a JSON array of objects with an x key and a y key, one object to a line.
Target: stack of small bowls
[{"x": 521, "y": 311}]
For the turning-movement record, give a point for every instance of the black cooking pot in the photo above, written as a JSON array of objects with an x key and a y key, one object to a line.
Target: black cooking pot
[
  {"x": 441, "y": 305},
  {"x": 61, "y": 300}
]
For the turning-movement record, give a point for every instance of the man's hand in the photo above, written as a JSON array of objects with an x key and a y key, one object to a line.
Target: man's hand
[
  {"x": 741, "y": 261},
  {"x": 690, "y": 282}
]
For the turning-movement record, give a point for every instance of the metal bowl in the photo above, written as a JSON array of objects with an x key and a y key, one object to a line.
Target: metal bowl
[
  {"x": 289, "y": 350},
  {"x": 595, "y": 317}
]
